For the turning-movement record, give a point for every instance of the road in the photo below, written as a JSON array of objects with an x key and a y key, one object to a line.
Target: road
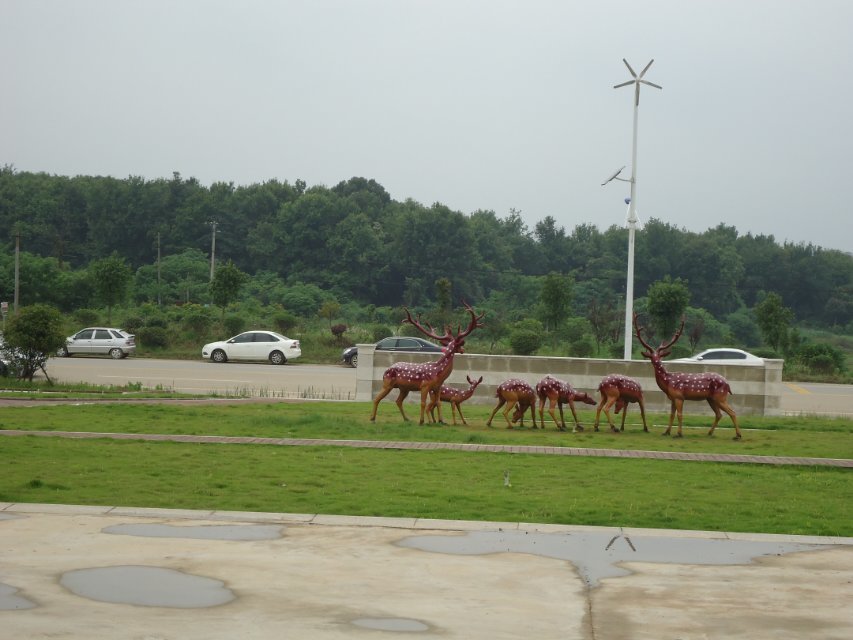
[
  {"x": 332, "y": 382},
  {"x": 293, "y": 380}
]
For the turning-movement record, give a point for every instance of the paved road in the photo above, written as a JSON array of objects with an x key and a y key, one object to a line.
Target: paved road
[{"x": 336, "y": 382}]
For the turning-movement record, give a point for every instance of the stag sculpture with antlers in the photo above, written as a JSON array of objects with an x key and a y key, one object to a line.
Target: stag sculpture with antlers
[
  {"x": 426, "y": 377},
  {"x": 678, "y": 387}
]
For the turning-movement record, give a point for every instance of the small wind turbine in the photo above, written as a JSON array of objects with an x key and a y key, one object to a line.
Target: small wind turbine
[{"x": 632, "y": 201}]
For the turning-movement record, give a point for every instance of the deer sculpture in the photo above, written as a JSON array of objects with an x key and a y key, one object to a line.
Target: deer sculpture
[
  {"x": 620, "y": 391},
  {"x": 518, "y": 394},
  {"x": 559, "y": 392},
  {"x": 456, "y": 397},
  {"x": 678, "y": 387},
  {"x": 429, "y": 376}
]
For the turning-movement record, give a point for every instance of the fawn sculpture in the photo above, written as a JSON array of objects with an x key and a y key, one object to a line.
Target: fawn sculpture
[
  {"x": 426, "y": 377},
  {"x": 619, "y": 390},
  {"x": 515, "y": 393},
  {"x": 678, "y": 387},
  {"x": 456, "y": 397},
  {"x": 558, "y": 392}
]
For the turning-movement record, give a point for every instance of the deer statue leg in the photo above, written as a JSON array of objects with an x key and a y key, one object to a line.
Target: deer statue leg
[
  {"x": 541, "y": 410},
  {"x": 500, "y": 403},
  {"x": 533, "y": 417},
  {"x": 562, "y": 418},
  {"x": 425, "y": 393},
  {"x": 671, "y": 418},
  {"x": 643, "y": 414},
  {"x": 552, "y": 401},
  {"x": 509, "y": 405},
  {"x": 385, "y": 391},
  {"x": 723, "y": 404},
  {"x": 461, "y": 417},
  {"x": 578, "y": 425},
  {"x": 679, "y": 407},
  {"x": 607, "y": 408},
  {"x": 399, "y": 401},
  {"x": 624, "y": 416},
  {"x": 601, "y": 403}
]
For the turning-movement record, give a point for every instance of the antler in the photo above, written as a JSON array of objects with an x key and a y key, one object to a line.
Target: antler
[
  {"x": 664, "y": 345},
  {"x": 428, "y": 330},
  {"x": 639, "y": 330},
  {"x": 476, "y": 321},
  {"x": 675, "y": 338}
]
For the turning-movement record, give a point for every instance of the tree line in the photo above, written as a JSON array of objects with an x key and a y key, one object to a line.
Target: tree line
[{"x": 298, "y": 244}]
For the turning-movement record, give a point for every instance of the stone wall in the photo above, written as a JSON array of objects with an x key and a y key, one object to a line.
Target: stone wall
[{"x": 756, "y": 389}]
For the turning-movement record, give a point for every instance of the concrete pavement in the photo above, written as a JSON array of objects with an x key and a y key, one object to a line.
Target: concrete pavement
[{"x": 149, "y": 574}]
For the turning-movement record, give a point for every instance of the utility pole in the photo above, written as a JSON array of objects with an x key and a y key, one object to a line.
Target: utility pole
[
  {"x": 17, "y": 269},
  {"x": 212, "y": 248}
]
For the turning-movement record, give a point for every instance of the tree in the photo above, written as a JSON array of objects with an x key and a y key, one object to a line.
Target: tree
[
  {"x": 556, "y": 297},
  {"x": 31, "y": 336},
  {"x": 330, "y": 311},
  {"x": 774, "y": 320},
  {"x": 604, "y": 320},
  {"x": 225, "y": 287},
  {"x": 111, "y": 278},
  {"x": 667, "y": 300}
]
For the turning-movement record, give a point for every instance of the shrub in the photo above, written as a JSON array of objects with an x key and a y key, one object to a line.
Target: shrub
[
  {"x": 524, "y": 341},
  {"x": 338, "y": 330},
  {"x": 380, "y": 331},
  {"x": 234, "y": 324},
  {"x": 284, "y": 321},
  {"x": 583, "y": 348},
  {"x": 86, "y": 317},
  {"x": 821, "y": 358},
  {"x": 153, "y": 337},
  {"x": 133, "y": 324},
  {"x": 197, "y": 319},
  {"x": 157, "y": 321}
]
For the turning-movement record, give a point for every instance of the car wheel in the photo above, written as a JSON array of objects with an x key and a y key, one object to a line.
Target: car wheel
[
  {"x": 63, "y": 351},
  {"x": 277, "y": 357},
  {"x": 353, "y": 362},
  {"x": 219, "y": 356},
  {"x": 116, "y": 353}
]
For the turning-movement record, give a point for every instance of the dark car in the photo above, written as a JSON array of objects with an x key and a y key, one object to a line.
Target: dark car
[{"x": 394, "y": 343}]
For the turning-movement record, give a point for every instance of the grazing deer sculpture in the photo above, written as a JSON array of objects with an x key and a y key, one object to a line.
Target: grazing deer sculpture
[
  {"x": 515, "y": 393},
  {"x": 426, "y": 377},
  {"x": 619, "y": 390},
  {"x": 456, "y": 397},
  {"x": 558, "y": 392},
  {"x": 678, "y": 387}
]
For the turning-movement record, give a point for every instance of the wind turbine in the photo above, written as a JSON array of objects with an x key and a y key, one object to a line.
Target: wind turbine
[{"x": 632, "y": 201}]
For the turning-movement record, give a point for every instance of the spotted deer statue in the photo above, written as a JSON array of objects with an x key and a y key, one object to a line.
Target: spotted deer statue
[
  {"x": 426, "y": 377},
  {"x": 456, "y": 397},
  {"x": 620, "y": 391},
  {"x": 558, "y": 392},
  {"x": 678, "y": 387},
  {"x": 518, "y": 394}
]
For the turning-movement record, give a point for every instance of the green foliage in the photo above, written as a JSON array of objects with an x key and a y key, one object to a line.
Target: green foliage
[
  {"x": 821, "y": 358},
  {"x": 329, "y": 310},
  {"x": 582, "y": 348},
  {"x": 234, "y": 323},
  {"x": 526, "y": 337},
  {"x": 284, "y": 321},
  {"x": 667, "y": 301},
  {"x": 743, "y": 327},
  {"x": 303, "y": 299},
  {"x": 774, "y": 320},
  {"x": 197, "y": 319},
  {"x": 556, "y": 299},
  {"x": 225, "y": 286},
  {"x": 152, "y": 337},
  {"x": 31, "y": 336},
  {"x": 111, "y": 280},
  {"x": 86, "y": 317},
  {"x": 380, "y": 331}
]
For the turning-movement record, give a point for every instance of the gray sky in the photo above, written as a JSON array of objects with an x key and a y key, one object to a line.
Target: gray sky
[{"x": 477, "y": 104}]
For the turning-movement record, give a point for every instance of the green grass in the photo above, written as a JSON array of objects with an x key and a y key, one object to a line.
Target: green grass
[{"x": 430, "y": 483}]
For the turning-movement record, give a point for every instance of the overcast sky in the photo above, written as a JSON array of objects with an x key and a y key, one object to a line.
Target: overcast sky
[{"x": 477, "y": 104}]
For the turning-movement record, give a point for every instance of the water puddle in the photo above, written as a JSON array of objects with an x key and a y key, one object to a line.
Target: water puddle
[
  {"x": 10, "y": 602},
  {"x": 201, "y": 532},
  {"x": 147, "y": 586},
  {"x": 596, "y": 555},
  {"x": 391, "y": 624}
]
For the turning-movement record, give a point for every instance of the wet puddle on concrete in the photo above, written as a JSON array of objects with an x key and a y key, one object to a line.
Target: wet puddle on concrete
[
  {"x": 10, "y": 602},
  {"x": 595, "y": 555},
  {"x": 201, "y": 532},
  {"x": 147, "y": 586},
  {"x": 391, "y": 624}
]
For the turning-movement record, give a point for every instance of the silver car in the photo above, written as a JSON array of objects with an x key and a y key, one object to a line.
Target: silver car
[{"x": 103, "y": 341}]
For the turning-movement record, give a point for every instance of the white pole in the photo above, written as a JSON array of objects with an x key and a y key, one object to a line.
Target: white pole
[{"x": 632, "y": 226}]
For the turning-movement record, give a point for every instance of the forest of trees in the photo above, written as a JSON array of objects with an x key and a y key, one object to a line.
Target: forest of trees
[{"x": 355, "y": 243}]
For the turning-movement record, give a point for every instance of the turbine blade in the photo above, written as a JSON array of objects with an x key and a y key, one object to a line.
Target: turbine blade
[
  {"x": 629, "y": 67},
  {"x": 651, "y": 84},
  {"x": 643, "y": 72},
  {"x": 624, "y": 84}
]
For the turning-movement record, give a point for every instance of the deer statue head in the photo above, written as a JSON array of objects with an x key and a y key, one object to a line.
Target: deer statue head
[
  {"x": 664, "y": 349},
  {"x": 452, "y": 343}
]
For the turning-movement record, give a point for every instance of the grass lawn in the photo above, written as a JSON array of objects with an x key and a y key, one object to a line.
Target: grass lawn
[{"x": 429, "y": 484}]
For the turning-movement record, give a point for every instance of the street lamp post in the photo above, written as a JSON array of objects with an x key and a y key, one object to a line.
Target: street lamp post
[{"x": 631, "y": 202}]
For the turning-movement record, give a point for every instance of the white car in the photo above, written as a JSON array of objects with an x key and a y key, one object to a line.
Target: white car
[
  {"x": 100, "y": 341},
  {"x": 253, "y": 345},
  {"x": 723, "y": 356}
]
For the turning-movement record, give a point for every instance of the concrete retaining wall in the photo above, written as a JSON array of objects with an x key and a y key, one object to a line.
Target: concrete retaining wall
[{"x": 756, "y": 389}]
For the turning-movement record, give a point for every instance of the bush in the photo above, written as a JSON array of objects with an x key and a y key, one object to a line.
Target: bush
[
  {"x": 524, "y": 342},
  {"x": 821, "y": 358},
  {"x": 583, "y": 348},
  {"x": 380, "y": 331},
  {"x": 234, "y": 324},
  {"x": 153, "y": 337},
  {"x": 197, "y": 319},
  {"x": 284, "y": 321},
  {"x": 86, "y": 317},
  {"x": 133, "y": 324},
  {"x": 157, "y": 321}
]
